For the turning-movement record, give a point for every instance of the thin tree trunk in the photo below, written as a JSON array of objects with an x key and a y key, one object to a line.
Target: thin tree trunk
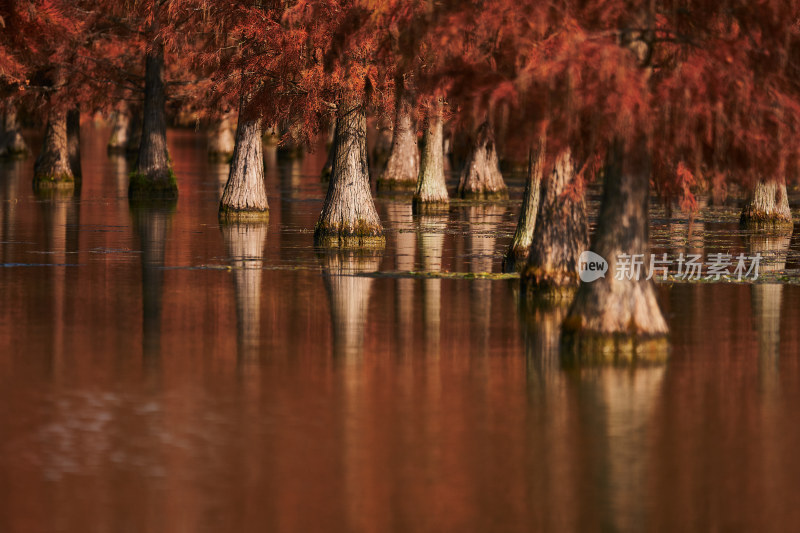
[
  {"x": 481, "y": 177},
  {"x": 221, "y": 141},
  {"x": 561, "y": 235},
  {"x": 52, "y": 168},
  {"x": 767, "y": 206},
  {"x": 153, "y": 176},
  {"x": 382, "y": 147},
  {"x": 348, "y": 217},
  {"x": 517, "y": 255},
  {"x": 402, "y": 168},
  {"x": 120, "y": 129},
  {"x": 12, "y": 144},
  {"x": 327, "y": 169},
  {"x": 74, "y": 141},
  {"x": 245, "y": 195},
  {"x": 431, "y": 193},
  {"x": 619, "y": 318}
]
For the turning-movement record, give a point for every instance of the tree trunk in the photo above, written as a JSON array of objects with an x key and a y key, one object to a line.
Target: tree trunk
[
  {"x": 481, "y": 177},
  {"x": 52, "y": 168},
  {"x": 767, "y": 206},
  {"x": 517, "y": 255},
  {"x": 74, "y": 141},
  {"x": 349, "y": 218},
  {"x": 12, "y": 144},
  {"x": 153, "y": 176},
  {"x": 431, "y": 193},
  {"x": 120, "y": 129},
  {"x": 382, "y": 147},
  {"x": 402, "y": 168},
  {"x": 245, "y": 195},
  {"x": 327, "y": 169},
  {"x": 561, "y": 235},
  {"x": 221, "y": 141},
  {"x": 614, "y": 319}
]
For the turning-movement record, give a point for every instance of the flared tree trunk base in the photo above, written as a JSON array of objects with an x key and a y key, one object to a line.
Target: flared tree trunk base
[
  {"x": 228, "y": 215},
  {"x": 767, "y": 207},
  {"x": 422, "y": 207},
  {"x": 516, "y": 257},
  {"x": 396, "y": 185},
  {"x": 582, "y": 349},
  {"x": 481, "y": 178},
  {"x": 52, "y": 169},
  {"x": 159, "y": 186}
]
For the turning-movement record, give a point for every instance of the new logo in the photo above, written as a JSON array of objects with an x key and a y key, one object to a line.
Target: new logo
[{"x": 592, "y": 266}]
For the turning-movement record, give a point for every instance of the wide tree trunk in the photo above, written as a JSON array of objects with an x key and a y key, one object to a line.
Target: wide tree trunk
[
  {"x": 52, "y": 169},
  {"x": 767, "y": 205},
  {"x": 517, "y": 255},
  {"x": 431, "y": 192},
  {"x": 561, "y": 235},
  {"x": 245, "y": 195},
  {"x": 153, "y": 176},
  {"x": 221, "y": 141},
  {"x": 12, "y": 144},
  {"x": 349, "y": 217},
  {"x": 74, "y": 141},
  {"x": 619, "y": 319},
  {"x": 402, "y": 168},
  {"x": 481, "y": 177}
]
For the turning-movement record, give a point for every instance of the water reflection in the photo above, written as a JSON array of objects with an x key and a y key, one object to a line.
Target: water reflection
[
  {"x": 10, "y": 172},
  {"x": 431, "y": 247},
  {"x": 481, "y": 243},
  {"x": 399, "y": 216}
]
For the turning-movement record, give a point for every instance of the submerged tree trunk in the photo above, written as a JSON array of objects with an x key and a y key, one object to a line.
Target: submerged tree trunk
[
  {"x": 153, "y": 176},
  {"x": 12, "y": 144},
  {"x": 349, "y": 218},
  {"x": 619, "y": 318},
  {"x": 767, "y": 206},
  {"x": 74, "y": 140},
  {"x": 402, "y": 168},
  {"x": 221, "y": 141},
  {"x": 561, "y": 235},
  {"x": 481, "y": 177},
  {"x": 431, "y": 192},
  {"x": 52, "y": 169},
  {"x": 245, "y": 196},
  {"x": 517, "y": 255}
]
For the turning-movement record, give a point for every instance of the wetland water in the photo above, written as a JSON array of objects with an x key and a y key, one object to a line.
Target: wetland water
[{"x": 160, "y": 373}]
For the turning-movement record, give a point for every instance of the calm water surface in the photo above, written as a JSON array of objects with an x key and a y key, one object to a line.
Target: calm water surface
[{"x": 161, "y": 373}]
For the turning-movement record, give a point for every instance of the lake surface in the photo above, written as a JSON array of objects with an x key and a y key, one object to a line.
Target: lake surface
[{"x": 160, "y": 373}]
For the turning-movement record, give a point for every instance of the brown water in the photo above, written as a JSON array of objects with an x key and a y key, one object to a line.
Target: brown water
[{"x": 145, "y": 385}]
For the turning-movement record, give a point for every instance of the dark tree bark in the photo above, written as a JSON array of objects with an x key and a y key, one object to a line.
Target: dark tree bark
[
  {"x": 382, "y": 147},
  {"x": 517, "y": 255},
  {"x": 402, "y": 168},
  {"x": 221, "y": 141},
  {"x": 611, "y": 318},
  {"x": 52, "y": 169},
  {"x": 12, "y": 144},
  {"x": 245, "y": 195},
  {"x": 153, "y": 176},
  {"x": 767, "y": 206},
  {"x": 74, "y": 141},
  {"x": 327, "y": 169},
  {"x": 290, "y": 144},
  {"x": 561, "y": 235},
  {"x": 431, "y": 192},
  {"x": 481, "y": 177},
  {"x": 349, "y": 218}
]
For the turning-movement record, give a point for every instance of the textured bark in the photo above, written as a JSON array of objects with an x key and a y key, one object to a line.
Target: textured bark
[
  {"x": 221, "y": 141},
  {"x": 402, "y": 168},
  {"x": 561, "y": 235},
  {"x": 245, "y": 195},
  {"x": 349, "y": 296},
  {"x": 153, "y": 176},
  {"x": 327, "y": 169},
  {"x": 619, "y": 319},
  {"x": 74, "y": 141},
  {"x": 767, "y": 205},
  {"x": 516, "y": 257},
  {"x": 382, "y": 147},
  {"x": 52, "y": 168},
  {"x": 245, "y": 243},
  {"x": 349, "y": 218},
  {"x": 12, "y": 144},
  {"x": 431, "y": 192},
  {"x": 481, "y": 177}
]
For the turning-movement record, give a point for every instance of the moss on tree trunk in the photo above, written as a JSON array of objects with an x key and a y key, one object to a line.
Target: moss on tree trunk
[
  {"x": 481, "y": 177},
  {"x": 615, "y": 320},
  {"x": 517, "y": 255},
  {"x": 52, "y": 169},
  {"x": 767, "y": 206},
  {"x": 431, "y": 192},
  {"x": 561, "y": 235},
  {"x": 245, "y": 195},
  {"x": 12, "y": 144},
  {"x": 402, "y": 168},
  {"x": 153, "y": 177},
  {"x": 349, "y": 217}
]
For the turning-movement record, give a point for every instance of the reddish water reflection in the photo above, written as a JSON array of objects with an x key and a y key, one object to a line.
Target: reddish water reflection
[{"x": 145, "y": 386}]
